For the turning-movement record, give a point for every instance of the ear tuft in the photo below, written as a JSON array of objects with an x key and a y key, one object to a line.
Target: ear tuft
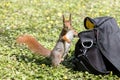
[
  {"x": 70, "y": 17},
  {"x": 63, "y": 18}
]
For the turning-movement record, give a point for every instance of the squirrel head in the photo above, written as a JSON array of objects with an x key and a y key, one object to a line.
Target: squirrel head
[{"x": 67, "y": 23}]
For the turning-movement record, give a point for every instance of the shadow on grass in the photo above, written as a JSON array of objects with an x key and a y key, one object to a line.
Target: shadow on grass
[
  {"x": 68, "y": 61},
  {"x": 27, "y": 59},
  {"x": 39, "y": 60}
]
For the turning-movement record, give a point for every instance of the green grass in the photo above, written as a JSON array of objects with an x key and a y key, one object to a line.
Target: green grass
[{"x": 42, "y": 19}]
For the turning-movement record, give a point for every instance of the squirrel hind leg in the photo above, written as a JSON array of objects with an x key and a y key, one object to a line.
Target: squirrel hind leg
[{"x": 56, "y": 59}]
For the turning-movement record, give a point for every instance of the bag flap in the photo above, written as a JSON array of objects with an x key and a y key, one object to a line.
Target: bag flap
[
  {"x": 108, "y": 41},
  {"x": 90, "y": 23}
]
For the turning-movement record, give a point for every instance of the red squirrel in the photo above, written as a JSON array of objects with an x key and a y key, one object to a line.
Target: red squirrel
[
  {"x": 68, "y": 37},
  {"x": 61, "y": 48}
]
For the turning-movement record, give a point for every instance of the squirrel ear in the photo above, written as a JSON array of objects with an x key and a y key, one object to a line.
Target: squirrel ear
[
  {"x": 63, "y": 18},
  {"x": 70, "y": 17},
  {"x": 89, "y": 23}
]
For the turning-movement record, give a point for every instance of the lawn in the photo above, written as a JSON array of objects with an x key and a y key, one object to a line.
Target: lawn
[{"x": 43, "y": 20}]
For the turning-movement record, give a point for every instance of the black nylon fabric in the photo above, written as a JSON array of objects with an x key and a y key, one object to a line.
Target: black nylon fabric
[
  {"x": 104, "y": 54},
  {"x": 88, "y": 56},
  {"x": 109, "y": 39}
]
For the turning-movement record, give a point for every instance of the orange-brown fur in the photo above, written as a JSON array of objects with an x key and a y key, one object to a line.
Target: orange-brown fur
[
  {"x": 34, "y": 45},
  {"x": 55, "y": 54}
]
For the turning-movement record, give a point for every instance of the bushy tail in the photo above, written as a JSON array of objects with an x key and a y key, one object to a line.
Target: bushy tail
[{"x": 33, "y": 45}]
